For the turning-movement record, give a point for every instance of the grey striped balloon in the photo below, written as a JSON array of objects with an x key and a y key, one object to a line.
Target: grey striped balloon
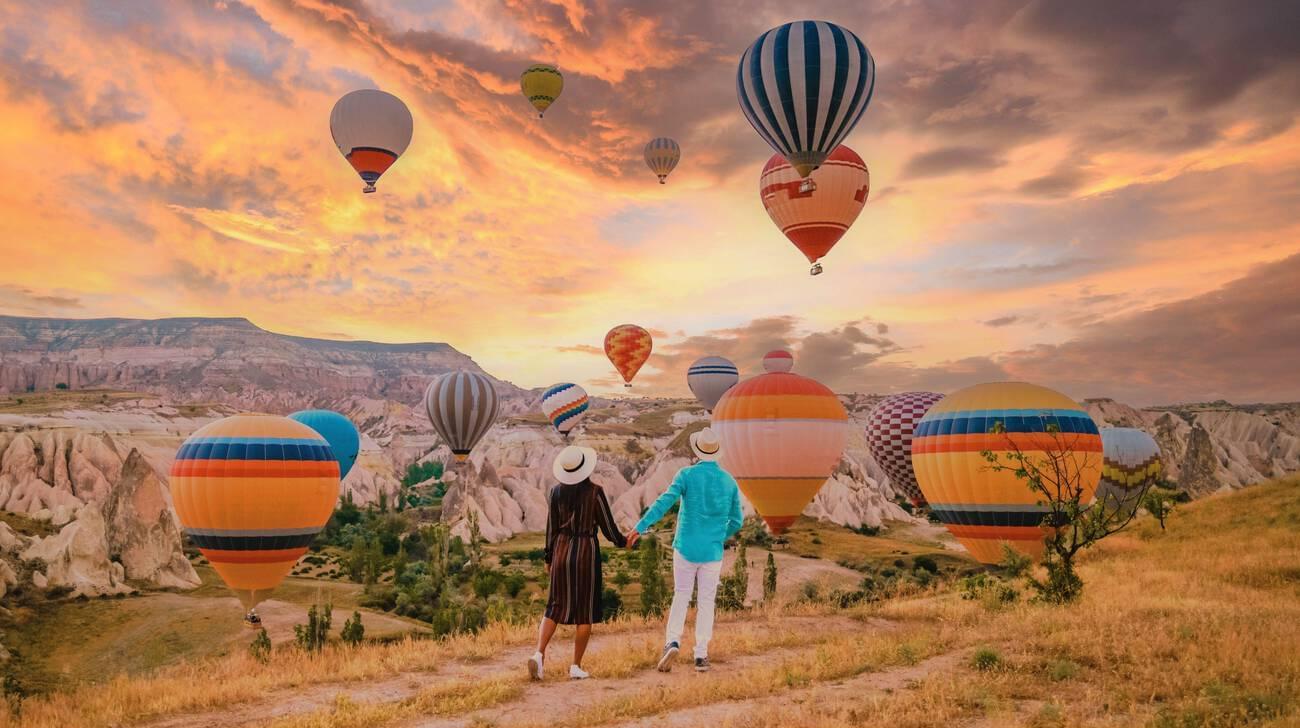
[
  {"x": 462, "y": 407},
  {"x": 661, "y": 156},
  {"x": 803, "y": 86}
]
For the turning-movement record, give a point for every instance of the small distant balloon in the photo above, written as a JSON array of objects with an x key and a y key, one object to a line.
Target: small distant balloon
[
  {"x": 661, "y": 156},
  {"x": 372, "y": 129},
  {"x": 710, "y": 377},
  {"x": 462, "y": 406},
  {"x": 565, "y": 405},
  {"x": 628, "y": 347},
  {"x": 778, "y": 360},
  {"x": 338, "y": 431},
  {"x": 541, "y": 84}
]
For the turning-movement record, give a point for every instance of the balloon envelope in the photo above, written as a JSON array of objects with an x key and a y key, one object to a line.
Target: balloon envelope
[
  {"x": 564, "y": 405},
  {"x": 815, "y": 220},
  {"x": 1130, "y": 465},
  {"x": 803, "y": 86},
  {"x": 338, "y": 431},
  {"x": 661, "y": 156},
  {"x": 252, "y": 492},
  {"x": 710, "y": 377},
  {"x": 541, "y": 84},
  {"x": 628, "y": 347},
  {"x": 372, "y": 129},
  {"x": 462, "y": 406},
  {"x": 778, "y": 360},
  {"x": 984, "y": 508},
  {"x": 782, "y": 437},
  {"x": 890, "y": 428}
]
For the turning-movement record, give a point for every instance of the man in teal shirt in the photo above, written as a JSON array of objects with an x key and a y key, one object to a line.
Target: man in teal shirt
[{"x": 710, "y": 514}]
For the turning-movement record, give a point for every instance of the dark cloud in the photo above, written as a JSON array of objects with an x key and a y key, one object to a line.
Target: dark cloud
[
  {"x": 1061, "y": 182},
  {"x": 22, "y": 300},
  {"x": 1001, "y": 321},
  {"x": 947, "y": 160},
  {"x": 1240, "y": 343},
  {"x": 72, "y": 105}
]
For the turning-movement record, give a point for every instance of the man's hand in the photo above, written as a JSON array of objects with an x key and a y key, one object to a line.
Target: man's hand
[{"x": 632, "y": 537}]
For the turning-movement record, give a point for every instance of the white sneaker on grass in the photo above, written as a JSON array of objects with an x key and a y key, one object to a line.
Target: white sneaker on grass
[
  {"x": 577, "y": 673},
  {"x": 535, "y": 666},
  {"x": 666, "y": 659}
]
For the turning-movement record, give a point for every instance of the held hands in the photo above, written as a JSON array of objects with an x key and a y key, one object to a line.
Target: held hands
[{"x": 632, "y": 538}]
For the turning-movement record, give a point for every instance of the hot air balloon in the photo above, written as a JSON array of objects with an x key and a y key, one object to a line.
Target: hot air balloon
[
  {"x": 252, "y": 492},
  {"x": 541, "y": 84},
  {"x": 1130, "y": 465},
  {"x": 778, "y": 360},
  {"x": 628, "y": 347},
  {"x": 564, "y": 405},
  {"x": 815, "y": 221},
  {"x": 710, "y": 378},
  {"x": 890, "y": 428},
  {"x": 661, "y": 156},
  {"x": 803, "y": 86},
  {"x": 462, "y": 407},
  {"x": 782, "y": 437},
  {"x": 338, "y": 431},
  {"x": 372, "y": 129},
  {"x": 984, "y": 508}
]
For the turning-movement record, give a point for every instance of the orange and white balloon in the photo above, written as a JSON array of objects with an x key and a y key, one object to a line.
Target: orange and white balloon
[
  {"x": 815, "y": 220},
  {"x": 782, "y": 436},
  {"x": 628, "y": 347},
  {"x": 372, "y": 129}
]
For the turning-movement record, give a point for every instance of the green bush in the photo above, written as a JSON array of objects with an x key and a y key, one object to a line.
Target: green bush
[
  {"x": 986, "y": 659},
  {"x": 260, "y": 649},
  {"x": 514, "y": 584},
  {"x": 313, "y": 635},
  {"x": 926, "y": 563},
  {"x": 353, "y": 631}
]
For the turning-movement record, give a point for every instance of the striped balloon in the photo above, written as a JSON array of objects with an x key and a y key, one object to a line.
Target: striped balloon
[
  {"x": 1130, "y": 465},
  {"x": 372, "y": 129},
  {"x": 252, "y": 492},
  {"x": 815, "y": 221},
  {"x": 541, "y": 84},
  {"x": 710, "y": 378},
  {"x": 782, "y": 437},
  {"x": 661, "y": 156},
  {"x": 628, "y": 347},
  {"x": 803, "y": 86},
  {"x": 985, "y": 508},
  {"x": 462, "y": 407},
  {"x": 778, "y": 360},
  {"x": 890, "y": 429},
  {"x": 564, "y": 405}
]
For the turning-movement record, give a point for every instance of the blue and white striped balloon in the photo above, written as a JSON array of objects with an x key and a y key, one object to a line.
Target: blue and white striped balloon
[
  {"x": 803, "y": 86},
  {"x": 710, "y": 378}
]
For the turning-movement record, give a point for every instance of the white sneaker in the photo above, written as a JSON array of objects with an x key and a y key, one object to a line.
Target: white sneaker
[
  {"x": 577, "y": 673},
  {"x": 535, "y": 666}
]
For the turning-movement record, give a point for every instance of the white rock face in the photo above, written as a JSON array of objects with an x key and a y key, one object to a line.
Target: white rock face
[
  {"x": 143, "y": 533},
  {"x": 77, "y": 557}
]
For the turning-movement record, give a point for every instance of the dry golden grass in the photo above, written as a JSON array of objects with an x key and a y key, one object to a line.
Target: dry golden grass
[{"x": 1196, "y": 626}]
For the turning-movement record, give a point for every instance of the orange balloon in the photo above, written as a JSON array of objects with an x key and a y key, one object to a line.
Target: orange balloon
[
  {"x": 628, "y": 347},
  {"x": 815, "y": 220}
]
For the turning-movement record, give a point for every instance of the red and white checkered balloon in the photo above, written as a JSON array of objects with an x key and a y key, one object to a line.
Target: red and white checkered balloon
[{"x": 889, "y": 437}]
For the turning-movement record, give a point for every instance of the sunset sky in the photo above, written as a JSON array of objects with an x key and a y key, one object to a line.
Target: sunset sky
[{"x": 1102, "y": 197}]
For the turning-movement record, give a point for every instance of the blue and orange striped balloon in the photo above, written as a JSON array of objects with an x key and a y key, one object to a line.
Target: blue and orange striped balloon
[
  {"x": 982, "y": 507},
  {"x": 252, "y": 492}
]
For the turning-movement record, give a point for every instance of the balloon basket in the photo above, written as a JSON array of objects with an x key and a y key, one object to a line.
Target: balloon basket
[
  {"x": 807, "y": 186},
  {"x": 661, "y": 181},
  {"x": 627, "y": 386},
  {"x": 368, "y": 189},
  {"x": 816, "y": 270}
]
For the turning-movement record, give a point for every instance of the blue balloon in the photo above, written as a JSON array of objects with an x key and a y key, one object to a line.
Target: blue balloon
[{"x": 338, "y": 431}]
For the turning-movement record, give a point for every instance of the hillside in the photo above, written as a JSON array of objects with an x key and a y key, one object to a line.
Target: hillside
[{"x": 1189, "y": 627}]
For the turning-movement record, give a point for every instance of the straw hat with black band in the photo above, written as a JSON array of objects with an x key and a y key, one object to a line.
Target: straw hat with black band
[
  {"x": 574, "y": 464},
  {"x": 706, "y": 445}
]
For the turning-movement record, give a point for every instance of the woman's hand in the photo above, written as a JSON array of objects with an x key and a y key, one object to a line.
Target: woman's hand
[{"x": 632, "y": 537}]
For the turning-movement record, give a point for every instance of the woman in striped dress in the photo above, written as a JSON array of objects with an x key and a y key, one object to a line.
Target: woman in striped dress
[{"x": 578, "y": 508}]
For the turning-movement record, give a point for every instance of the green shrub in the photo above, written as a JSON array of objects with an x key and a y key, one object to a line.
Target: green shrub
[
  {"x": 260, "y": 649},
  {"x": 926, "y": 563},
  {"x": 353, "y": 631},
  {"x": 1059, "y": 670},
  {"x": 985, "y": 659},
  {"x": 313, "y": 635},
  {"x": 514, "y": 584}
]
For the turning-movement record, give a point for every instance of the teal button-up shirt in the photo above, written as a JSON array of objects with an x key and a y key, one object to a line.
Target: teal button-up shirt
[{"x": 710, "y": 512}]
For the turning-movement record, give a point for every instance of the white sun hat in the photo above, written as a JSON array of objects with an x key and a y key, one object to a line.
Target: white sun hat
[
  {"x": 706, "y": 445},
  {"x": 574, "y": 464}
]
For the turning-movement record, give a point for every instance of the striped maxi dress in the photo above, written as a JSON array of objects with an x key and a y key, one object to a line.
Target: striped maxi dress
[{"x": 576, "y": 512}]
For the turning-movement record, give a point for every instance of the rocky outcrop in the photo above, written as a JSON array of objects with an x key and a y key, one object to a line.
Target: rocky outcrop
[
  {"x": 142, "y": 533},
  {"x": 77, "y": 558}
]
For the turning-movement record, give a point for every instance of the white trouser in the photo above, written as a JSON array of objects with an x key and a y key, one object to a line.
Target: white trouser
[{"x": 686, "y": 575}]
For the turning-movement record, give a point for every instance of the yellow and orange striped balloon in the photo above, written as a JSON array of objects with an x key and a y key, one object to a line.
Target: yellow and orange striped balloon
[
  {"x": 252, "y": 492},
  {"x": 782, "y": 437},
  {"x": 628, "y": 347},
  {"x": 985, "y": 508}
]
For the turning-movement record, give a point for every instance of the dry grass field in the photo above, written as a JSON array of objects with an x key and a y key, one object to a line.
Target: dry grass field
[{"x": 1195, "y": 626}]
